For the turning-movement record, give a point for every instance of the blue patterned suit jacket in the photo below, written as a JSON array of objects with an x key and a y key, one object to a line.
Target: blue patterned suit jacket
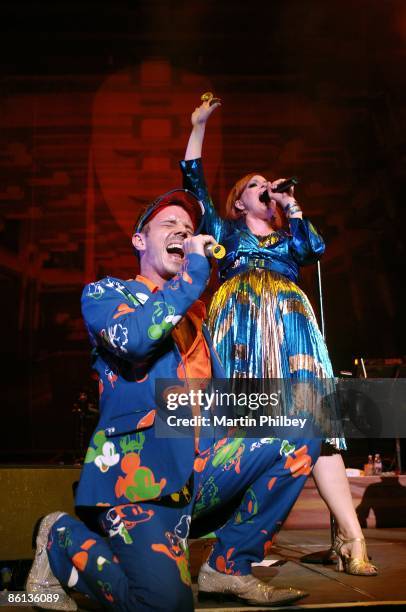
[{"x": 130, "y": 326}]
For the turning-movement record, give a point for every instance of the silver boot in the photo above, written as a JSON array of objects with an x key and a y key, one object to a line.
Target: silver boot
[
  {"x": 248, "y": 589},
  {"x": 41, "y": 583}
]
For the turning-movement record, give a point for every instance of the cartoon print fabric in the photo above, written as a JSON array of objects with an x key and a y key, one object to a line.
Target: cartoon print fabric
[{"x": 263, "y": 476}]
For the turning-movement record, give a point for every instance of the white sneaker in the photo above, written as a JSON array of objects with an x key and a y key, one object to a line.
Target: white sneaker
[
  {"x": 41, "y": 582},
  {"x": 251, "y": 590}
]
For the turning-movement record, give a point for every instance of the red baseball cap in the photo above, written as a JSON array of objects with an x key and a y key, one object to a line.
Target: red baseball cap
[{"x": 175, "y": 197}]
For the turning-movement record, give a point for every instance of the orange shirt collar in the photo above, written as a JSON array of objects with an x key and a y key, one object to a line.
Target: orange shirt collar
[{"x": 143, "y": 279}]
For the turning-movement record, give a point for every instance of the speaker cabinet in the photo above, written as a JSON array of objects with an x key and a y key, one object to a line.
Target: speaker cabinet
[{"x": 27, "y": 493}]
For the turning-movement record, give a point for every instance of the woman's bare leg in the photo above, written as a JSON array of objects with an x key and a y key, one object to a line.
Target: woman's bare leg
[{"x": 332, "y": 483}]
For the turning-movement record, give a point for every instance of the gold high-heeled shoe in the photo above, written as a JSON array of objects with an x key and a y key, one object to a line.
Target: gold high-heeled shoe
[{"x": 358, "y": 566}]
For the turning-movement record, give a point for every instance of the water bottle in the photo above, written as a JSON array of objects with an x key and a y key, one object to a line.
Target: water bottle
[
  {"x": 369, "y": 467},
  {"x": 377, "y": 464}
]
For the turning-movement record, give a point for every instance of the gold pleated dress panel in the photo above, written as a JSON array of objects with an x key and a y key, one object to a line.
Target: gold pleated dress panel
[{"x": 264, "y": 327}]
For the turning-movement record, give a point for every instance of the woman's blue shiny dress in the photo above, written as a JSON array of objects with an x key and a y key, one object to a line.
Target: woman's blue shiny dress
[{"x": 262, "y": 323}]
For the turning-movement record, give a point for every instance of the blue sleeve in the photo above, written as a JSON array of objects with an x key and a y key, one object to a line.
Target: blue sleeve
[
  {"x": 193, "y": 179},
  {"x": 306, "y": 245},
  {"x": 132, "y": 326}
]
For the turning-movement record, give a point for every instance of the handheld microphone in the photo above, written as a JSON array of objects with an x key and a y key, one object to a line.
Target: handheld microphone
[
  {"x": 281, "y": 188},
  {"x": 208, "y": 96},
  {"x": 286, "y": 185},
  {"x": 215, "y": 250}
]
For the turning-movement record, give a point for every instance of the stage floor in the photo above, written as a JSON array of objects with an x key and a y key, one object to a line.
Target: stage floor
[{"x": 327, "y": 588}]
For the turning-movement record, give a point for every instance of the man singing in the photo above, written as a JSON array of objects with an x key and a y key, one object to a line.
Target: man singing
[{"x": 138, "y": 491}]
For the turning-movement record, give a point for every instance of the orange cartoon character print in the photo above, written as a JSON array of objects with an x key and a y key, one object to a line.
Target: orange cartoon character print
[
  {"x": 225, "y": 565},
  {"x": 299, "y": 462},
  {"x": 178, "y": 549},
  {"x": 139, "y": 481},
  {"x": 122, "y": 519}
]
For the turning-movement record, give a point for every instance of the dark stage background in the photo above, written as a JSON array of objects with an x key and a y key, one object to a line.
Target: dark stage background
[{"x": 94, "y": 110}]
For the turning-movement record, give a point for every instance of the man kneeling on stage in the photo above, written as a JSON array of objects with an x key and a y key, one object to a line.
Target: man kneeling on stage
[{"x": 138, "y": 491}]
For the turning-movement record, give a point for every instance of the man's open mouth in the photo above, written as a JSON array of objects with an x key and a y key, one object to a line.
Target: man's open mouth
[{"x": 176, "y": 249}]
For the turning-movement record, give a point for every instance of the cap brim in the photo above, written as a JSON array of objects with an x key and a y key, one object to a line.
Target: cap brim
[{"x": 176, "y": 197}]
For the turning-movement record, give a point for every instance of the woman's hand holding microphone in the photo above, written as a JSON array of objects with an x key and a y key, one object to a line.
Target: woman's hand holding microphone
[{"x": 285, "y": 199}]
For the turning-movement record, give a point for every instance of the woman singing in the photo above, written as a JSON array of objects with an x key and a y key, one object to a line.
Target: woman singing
[{"x": 262, "y": 323}]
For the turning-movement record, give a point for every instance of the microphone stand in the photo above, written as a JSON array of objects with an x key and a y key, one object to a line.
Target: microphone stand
[{"x": 322, "y": 557}]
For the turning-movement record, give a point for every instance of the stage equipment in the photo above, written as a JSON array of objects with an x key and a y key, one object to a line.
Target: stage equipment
[
  {"x": 392, "y": 367},
  {"x": 26, "y": 494},
  {"x": 86, "y": 413},
  {"x": 324, "y": 557}
]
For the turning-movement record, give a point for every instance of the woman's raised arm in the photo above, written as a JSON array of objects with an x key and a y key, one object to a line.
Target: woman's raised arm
[
  {"x": 199, "y": 118},
  {"x": 192, "y": 170}
]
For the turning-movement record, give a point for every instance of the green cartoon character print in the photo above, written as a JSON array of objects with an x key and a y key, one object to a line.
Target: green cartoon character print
[
  {"x": 248, "y": 508},
  {"x": 163, "y": 319},
  {"x": 228, "y": 454},
  {"x": 207, "y": 497},
  {"x": 104, "y": 455},
  {"x": 139, "y": 481}
]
